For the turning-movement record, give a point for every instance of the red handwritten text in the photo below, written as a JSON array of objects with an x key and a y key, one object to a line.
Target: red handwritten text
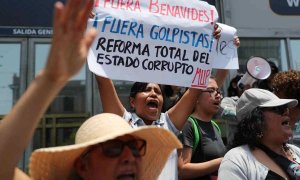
[
  {"x": 200, "y": 15},
  {"x": 201, "y": 78}
]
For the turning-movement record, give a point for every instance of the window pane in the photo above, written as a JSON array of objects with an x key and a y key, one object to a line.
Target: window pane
[
  {"x": 123, "y": 90},
  {"x": 72, "y": 97},
  {"x": 9, "y": 75},
  {"x": 272, "y": 49},
  {"x": 295, "y": 48},
  {"x": 65, "y": 136}
]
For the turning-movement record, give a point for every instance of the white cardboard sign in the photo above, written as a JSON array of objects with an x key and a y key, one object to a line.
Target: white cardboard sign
[
  {"x": 161, "y": 41},
  {"x": 226, "y": 56}
]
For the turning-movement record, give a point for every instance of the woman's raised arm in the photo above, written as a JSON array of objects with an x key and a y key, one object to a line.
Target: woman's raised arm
[{"x": 67, "y": 55}]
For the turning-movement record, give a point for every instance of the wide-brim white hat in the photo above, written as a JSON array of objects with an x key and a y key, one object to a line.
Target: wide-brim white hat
[{"x": 57, "y": 162}]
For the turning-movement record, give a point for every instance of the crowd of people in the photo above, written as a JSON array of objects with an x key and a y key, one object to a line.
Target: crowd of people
[{"x": 162, "y": 136}]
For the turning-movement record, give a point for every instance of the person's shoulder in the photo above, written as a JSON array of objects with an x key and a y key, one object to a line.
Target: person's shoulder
[
  {"x": 165, "y": 122},
  {"x": 127, "y": 115},
  {"x": 229, "y": 100},
  {"x": 238, "y": 152},
  {"x": 239, "y": 148},
  {"x": 228, "y": 105}
]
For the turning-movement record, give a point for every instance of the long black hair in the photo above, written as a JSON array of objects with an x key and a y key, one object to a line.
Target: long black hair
[{"x": 249, "y": 130}]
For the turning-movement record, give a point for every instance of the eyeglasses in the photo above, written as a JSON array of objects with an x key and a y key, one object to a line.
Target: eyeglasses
[
  {"x": 212, "y": 91},
  {"x": 114, "y": 148},
  {"x": 281, "y": 110}
]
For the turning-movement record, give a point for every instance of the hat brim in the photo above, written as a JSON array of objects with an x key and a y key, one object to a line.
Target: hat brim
[
  {"x": 57, "y": 162},
  {"x": 280, "y": 102}
]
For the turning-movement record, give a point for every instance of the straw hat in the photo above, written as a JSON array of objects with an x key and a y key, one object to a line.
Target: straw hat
[{"x": 57, "y": 162}]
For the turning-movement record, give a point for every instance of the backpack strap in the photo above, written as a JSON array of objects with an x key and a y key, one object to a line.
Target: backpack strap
[
  {"x": 196, "y": 132},
  {"x": 217, "y": 126}
]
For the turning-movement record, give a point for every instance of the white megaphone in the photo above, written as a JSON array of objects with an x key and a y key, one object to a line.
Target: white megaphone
[{"x": 258, "y": 68}]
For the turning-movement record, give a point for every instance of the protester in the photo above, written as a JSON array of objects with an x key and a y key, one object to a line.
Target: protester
[
  {"x": 202, "y": 161},
  {"x": 228, "y": 104},
  {"x": 106, "y": 147},
  {"x": 259, "y": 149},
  {"x": 286, "y": 84},
  {"x": 146, "y": 101},
  {"x": 67, "y": 55},
  {"x": 227, "y": 111}
]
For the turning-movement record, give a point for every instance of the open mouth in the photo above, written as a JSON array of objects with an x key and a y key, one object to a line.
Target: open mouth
[
  {"x": 152, "y": 104},
  {"x": 217, "y": 103},
  {"x": 126, "y": 176}
]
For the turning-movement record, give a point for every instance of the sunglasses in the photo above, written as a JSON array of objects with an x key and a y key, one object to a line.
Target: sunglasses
[
  {"x": 281, "y": 110},
  {"x": 114, "y": 148}
]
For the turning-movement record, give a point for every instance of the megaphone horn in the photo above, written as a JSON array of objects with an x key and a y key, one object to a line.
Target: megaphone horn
[{"x": 258, "y": 68}]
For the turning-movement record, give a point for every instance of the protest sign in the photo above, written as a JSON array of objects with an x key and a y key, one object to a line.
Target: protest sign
[
  {"x": 161, "y": 41},
  {"x": 225, "y": 54}
]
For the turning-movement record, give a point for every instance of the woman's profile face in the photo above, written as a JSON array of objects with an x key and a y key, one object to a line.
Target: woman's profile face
[
  {"x": 277, "y": 125},
  {"x": 148, "y": 103},
  {"x": 209, "y": 100}
]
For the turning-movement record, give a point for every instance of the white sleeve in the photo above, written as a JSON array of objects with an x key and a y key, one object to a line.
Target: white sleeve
[
  {"x": 127, "y": 115},
  {"x": 239, "y": 163},
  {"x": 230, "y": 170},
  {"x": 170, "y": 124}
]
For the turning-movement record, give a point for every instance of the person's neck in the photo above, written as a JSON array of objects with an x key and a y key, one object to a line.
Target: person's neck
[
  {"x": 277, "y": 148},
  {"x": 148, "y": 122},
  {"x": 202, "y": 116}
]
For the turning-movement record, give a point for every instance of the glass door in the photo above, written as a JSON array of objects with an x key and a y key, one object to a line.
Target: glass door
[
  {"x": 11, "y": 72},
  {"x": 69, "y": 108},
  {"x": 13, "y": 60}
]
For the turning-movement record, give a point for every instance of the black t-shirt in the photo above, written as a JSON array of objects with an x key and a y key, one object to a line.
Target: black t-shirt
[
  {"x": 210, "y": 144},
  {"x": 273, "y": 176}
]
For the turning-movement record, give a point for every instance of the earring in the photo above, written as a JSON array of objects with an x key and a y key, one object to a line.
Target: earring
[{"x": 259, "y": 135}]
